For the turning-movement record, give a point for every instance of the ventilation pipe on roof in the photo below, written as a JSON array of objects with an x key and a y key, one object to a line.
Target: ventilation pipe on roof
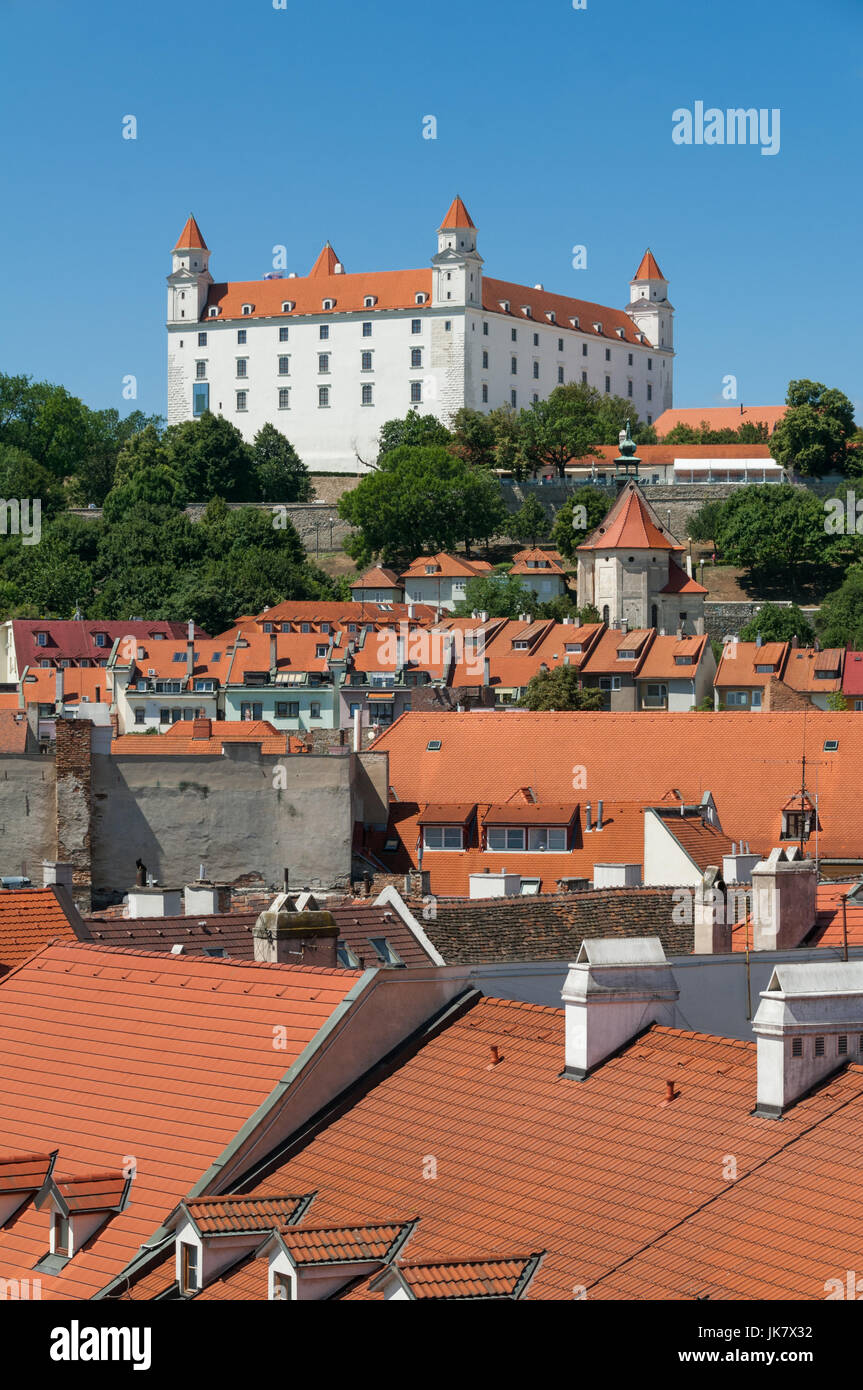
[
  {"x": 272, "y": 652},
  {"x": 615, "y": 989},
  {"x": 599, "y": 815},
  {"x": 59, "y": 690},
  {"x": 588, "y": 822},
  {"x": 358, "y": 731},
  {"x": 808, "y": 1015},
  {"x": 758, "y": 640},
  {"x": 190, "y": 650}
]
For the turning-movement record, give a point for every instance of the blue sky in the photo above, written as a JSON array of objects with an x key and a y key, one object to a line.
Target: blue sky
[{"x": 297, "y": 125}]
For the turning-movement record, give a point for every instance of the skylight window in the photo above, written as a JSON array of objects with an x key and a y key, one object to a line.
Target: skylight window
[
  {"x": 831, "y": 745},
  {"x": 385, "y": 952},
  {"x": 433, "y": 745}
]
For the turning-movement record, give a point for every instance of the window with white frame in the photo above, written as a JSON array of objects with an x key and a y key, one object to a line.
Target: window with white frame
[
  {"x": 284, "y": 398},
  {"x": 416, "y": 357},
  {"x": 368, "y": 393},
  {"x": 323, "y": 397},
  {"x": 323, "y": 363},
  {"x": 284, "y": 366},
  {"x": 365, "y": 361},
  {"x": 551, "y": 837},
  {"x": 416, "y": 392},
  {"x": 502, "y": 838},
  {"x": 609, "y": 682},
  {"x": 242, "y": 366},
  {"x": 442, "y": 837},
  {"x": 416, "y": 325},
  {"x": 242, "y": 400},
  {"x": 367, "y": 330}
]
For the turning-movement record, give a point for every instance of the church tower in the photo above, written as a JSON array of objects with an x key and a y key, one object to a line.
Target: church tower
[
  {"x": 457, "y": 278},
  {"x": 190, "y": 278},
  {"x": 648, "y": 305}
]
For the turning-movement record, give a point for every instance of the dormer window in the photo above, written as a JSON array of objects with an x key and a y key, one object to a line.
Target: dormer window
[
  {"x": 597, "y": 328},
  {"x": 189, "y": 1267},
  {"x": 371, "y": 300},
  {"x": 621, "y": 333},
  {"x": 626, "y": 654},
  {"x": 41, "y": 639},
  {"x": 248, "y": 308},
  {"x": 289, "y": 306},
  {"x": 61, "y": 1235},
  {"x": 504, "y": 304},
  {"x": 420, "y": 299},
  {"x": 551, "y": 315},
  {"x": 574, "y": 647},
  {"x": 527, "y": 311},
  {"x": 431, "y": 569},
  {"x": 575, "y": 322},
  {"x": 329, "y": 304},
  {"x": 78, "y": 1207},
  {"x": 797, "y": 825},
  {"x": 213, "y": 311}
]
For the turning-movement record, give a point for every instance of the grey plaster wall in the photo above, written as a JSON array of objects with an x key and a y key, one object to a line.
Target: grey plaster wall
[{"x": 27, "y": 814}]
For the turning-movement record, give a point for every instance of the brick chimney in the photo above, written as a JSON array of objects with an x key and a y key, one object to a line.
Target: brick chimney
[
  {"x": 613, "y": 991},
  {"x": 783, "y": 900},
  {"x": 285, "y": 937},
  {"x": 202, "y": 728}
]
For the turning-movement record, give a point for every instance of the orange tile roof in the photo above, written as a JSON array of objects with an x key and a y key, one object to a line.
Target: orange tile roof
[
  {"x": 542, "y": 303},
  {"x": 722, "y": 417},
  {"x": 181, "y": 741},
  {"x": 739, "y": 660},
  {"x": 631, "y": 524},
  {"x": 14, "y": 729},
  {"x": 804, "y": 664},
  {"x": 829, "y": 928},
  {"x": 326, "y": 262},
  {"x": 703, "y": 843},
  {"x": 92, "y": 683},
  {"x": 230, "y": 1215},
  {"x": 29, "y": 919},
  {"x": 664, "y": 454},
  {"x": 191, "y": 238},
  {"x": 499, "y": 1277},
  {"x": 528, "y": 1159},
  {"x": 93, "y": 1191},
  {"x": 660, "y": 663},
  {"x": 457, "y": 216},
  {"x": 750, "y": 762},
  {"x": 109, "y": 1052},
  {"x": 25, "y": 1172},
  {"x": 550, "y": 562},
  {"x": 310, "y": 1245},
  {"x": 446, "y": 567},
  {"x": 648, "y": 269},
  {"x": 377, "y": 577},
  {"x": 393, "y": 289},
  {"x": 605, "y": 655}
]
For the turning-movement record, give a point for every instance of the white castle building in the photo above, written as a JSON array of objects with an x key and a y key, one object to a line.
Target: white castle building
[{"x": 329, "y": 356}]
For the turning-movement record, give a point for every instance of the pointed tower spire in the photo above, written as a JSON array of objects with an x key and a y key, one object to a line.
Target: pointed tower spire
[
  {"x": 191, "y": 237},
  {"x": 326, "y": 262},
  {"x": 458, "y": 217},
  {"x": 648, "y": 270}
]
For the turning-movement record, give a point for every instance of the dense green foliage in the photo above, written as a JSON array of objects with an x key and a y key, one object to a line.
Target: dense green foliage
[
  {"x": 529, "y": 524},
  {"x": 578, "y": 516},
  {"x": 839, "y": 621},
  {"x": 813, "y": 436},
  {"x": 778, "y": 623},
  {"x": 560, "y": 689},
  {"x": 500, "y": 595}
]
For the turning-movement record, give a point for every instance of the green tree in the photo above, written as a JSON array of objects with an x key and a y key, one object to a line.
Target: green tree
[
  {"x": 589, "y": 614},
  {"x": 777, "y": 623},
  {"x": 813, "y": 435},
  {"x": 499, "y": 595},
  {"x": 530, "y": 523},
  {"x": 474, "y": 437},
  {"x": 704, "y": 525},
  {"x": 563, "y": 426},
  {"x": 421, "y": 500},
  {"x": 212, "y": 459},
  {"x": 108, "y": 434},
  {"x": 281, "y": 474},
  {"x": 613, "y": 412},
  {"x": 414, "y": 431},
  {"x": 775, "y": 532},
  {"x": 559, "y": 689},
  {"x": 837, "y": 701},
  {"x": 22, "y": 477},
  {"x": 839, "y": 621},
  {"x": 578, "y": 516}
]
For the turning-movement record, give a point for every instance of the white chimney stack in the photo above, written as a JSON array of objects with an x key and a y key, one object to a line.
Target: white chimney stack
[
  {"x": 808, "y": 1025},
  {"x": 615, "y": 989},
  {"x": 784, "y": 889},
  {"x": 358, "y": 731}
]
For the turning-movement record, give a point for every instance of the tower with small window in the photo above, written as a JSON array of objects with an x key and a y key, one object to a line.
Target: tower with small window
[
  {"x": 457, "y": 276},
  {"x": 190, "y": 278},
  {"x": 648, "y": 305}
]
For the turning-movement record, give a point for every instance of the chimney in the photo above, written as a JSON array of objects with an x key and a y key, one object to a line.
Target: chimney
[
  {"x": 283, "y": 937},
  {"x": 202, "y": 727},
  {"x": 154, "y": 901},
  {"x": 202, "y": 898},
  {"x": 486, "y": 671},
  {"x": 599, "y": 815},
  {"x": 190, "y": 650},
  {"x": 615, "y": 989},
  {"x": 59, "y": 690},
  {"x": 53, "y": 872},
  {"x": 712, "y": 929},
  {"x": 588, "y": 822},
  {"x": 358, "y": 730},
  {"x": 783, "y": 900},
  {"x": 807, "y": 1026},
  {"x": 758, "y": 640},
  {"x": 272, "y": 652}
]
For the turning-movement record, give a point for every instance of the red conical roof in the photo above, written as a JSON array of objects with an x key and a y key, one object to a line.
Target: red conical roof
[
  {"x": 458, "y": 216},
  {"x": 191, "y": 238},
  {"x": 630, "y": 525},
  {"x": 649, "y": 269},
  {"x": 326, "y": 262}
]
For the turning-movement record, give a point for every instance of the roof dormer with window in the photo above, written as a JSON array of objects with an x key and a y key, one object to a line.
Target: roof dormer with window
[{"x": 77, "y": 1208}]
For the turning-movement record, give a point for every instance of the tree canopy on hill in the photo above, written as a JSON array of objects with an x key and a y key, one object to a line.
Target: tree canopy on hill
[
  {"x": 776, "y": 622},
  {"x": 560, "y": 689}
]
